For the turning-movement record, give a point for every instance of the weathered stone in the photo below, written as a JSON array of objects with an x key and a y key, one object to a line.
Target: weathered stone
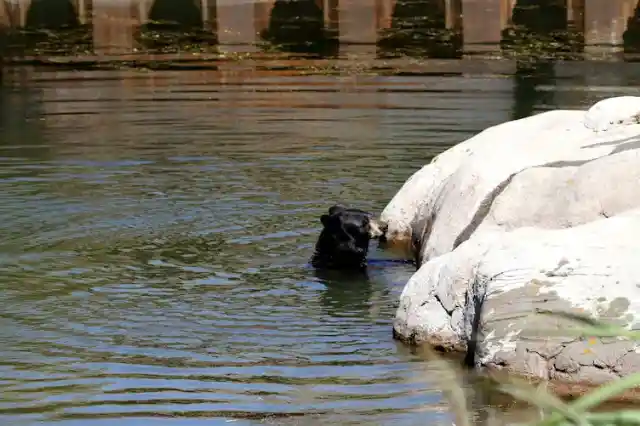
[
  {"x": 596, "y": 353},
  {"x": 559, "y": 376},
  {"x": 609, "y": 354},
  {"x": 452, "y": 196},
  {"x": 504, "y": 358},
  {"x": 565, "y": 364},
  {"x": 532, "y": 363},
  {"x": 534, "y": 215},
  {"x": 547, "y": 348},
  {"x": 593, "y": 375},
  {"x": 628, "y": 364}
]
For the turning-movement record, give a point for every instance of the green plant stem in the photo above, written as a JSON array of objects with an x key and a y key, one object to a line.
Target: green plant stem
[
  {"x": 606, "y": 391},
  {"x": 626, "y": 417},
  {"x": 546, "y": 401},
  {"x": 597, "y": 396}
]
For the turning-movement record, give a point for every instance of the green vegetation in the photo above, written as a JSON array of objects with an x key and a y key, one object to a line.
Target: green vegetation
[
  {"x": 197, "y": 48},
  {"x": 554, "y": 411},
  {"x": 65, "y": 40},
  {"x": 519, "y": 43},
  {"x": 158, "y": 36}
]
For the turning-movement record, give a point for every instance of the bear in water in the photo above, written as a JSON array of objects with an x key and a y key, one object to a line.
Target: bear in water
[{"x": 344, "y": 240}]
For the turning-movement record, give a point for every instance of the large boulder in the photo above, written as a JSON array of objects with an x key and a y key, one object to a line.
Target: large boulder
[{"x": 535, "y": 214}]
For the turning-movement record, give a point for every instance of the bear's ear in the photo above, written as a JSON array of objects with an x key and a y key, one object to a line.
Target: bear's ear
[
  {"x": 336, "y": 208},
  {"x": 324, "y": 219}
]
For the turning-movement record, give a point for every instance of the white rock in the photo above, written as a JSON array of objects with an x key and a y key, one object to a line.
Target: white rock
[
  {"x": 447, "y": 198},
  {"x": 612, "y": 112},
  {"x": 538, "y": 213}
]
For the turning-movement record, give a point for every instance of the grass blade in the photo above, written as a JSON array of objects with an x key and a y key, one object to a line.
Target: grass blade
[
  {"x": 598, "y": 396},
  {"x": 542, "y": 399},
  {"x": 624, "y": 417},
  {"x": 450, "y": 382},
  {"x": 606, "y": 391}
]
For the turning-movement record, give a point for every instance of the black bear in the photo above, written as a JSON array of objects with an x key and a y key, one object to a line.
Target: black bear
[{"x": 344, "y": 240}]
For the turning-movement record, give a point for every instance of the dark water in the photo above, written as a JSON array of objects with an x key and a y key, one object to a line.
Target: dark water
[{"x": 155, "y": 229}]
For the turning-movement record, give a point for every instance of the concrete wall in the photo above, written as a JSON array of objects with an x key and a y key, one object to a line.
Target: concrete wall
[{"x": 357, "y": 22}]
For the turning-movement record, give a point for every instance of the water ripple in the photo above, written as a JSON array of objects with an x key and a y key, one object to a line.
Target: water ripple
[{"x": 157, "y": 228}]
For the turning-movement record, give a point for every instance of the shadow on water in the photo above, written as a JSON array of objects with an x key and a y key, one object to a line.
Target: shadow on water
[
  {"x": 526, "y": 94},
  {"x": 418, "y": 28},
  {"x": 21, "y": 125},
  {"x": 299, "y": 27},
  {"x": 175, "y": 26}
]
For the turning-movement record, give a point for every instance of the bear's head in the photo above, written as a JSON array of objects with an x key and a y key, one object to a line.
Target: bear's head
[{"x": 344, "y": 240}]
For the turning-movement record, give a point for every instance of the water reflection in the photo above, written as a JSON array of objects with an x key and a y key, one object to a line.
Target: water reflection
[
  {"x": 527, "y": 80},
  {"x": 157, "y": 228}
]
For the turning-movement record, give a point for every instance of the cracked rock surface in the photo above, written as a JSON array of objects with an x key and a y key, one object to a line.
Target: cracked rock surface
[{"x": 534, "y": 215}]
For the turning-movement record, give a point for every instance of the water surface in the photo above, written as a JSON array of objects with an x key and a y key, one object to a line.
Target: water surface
[{"x": 156, "y": 228}]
